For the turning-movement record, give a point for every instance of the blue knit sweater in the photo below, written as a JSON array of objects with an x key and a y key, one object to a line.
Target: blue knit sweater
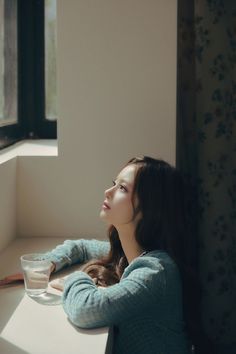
[{"x": 144, "y": 308}]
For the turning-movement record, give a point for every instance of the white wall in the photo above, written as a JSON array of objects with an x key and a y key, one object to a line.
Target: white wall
[
  {"x": 7, "y": 202},
  {"x": 117, "y": 89},
  {"x": 117, "y": 99}
]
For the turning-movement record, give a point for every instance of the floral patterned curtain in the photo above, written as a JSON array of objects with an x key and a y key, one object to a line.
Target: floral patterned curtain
[{"x": 206, "y": 153}]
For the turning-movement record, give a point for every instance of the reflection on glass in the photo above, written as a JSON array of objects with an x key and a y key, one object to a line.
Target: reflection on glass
[
  {"x": 8, "y": 62},
  {"x": 50, "y": 60}
]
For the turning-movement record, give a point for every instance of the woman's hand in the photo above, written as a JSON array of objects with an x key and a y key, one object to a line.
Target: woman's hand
[
  {"x": 11, "y": 279},
  {"x": 58, "y": 284},
  {"x": 53, "y": 267},
  {"x": 19, "y": 277}
]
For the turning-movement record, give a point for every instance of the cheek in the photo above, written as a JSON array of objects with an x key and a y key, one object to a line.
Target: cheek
[
  {"x": 122, "y": 200},
  {"x": 121, "y": 211},
  {"x": 122, "y": 207}
]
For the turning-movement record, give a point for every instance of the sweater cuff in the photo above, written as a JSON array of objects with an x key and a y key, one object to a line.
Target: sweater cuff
[{"x": 60, "y": 262}]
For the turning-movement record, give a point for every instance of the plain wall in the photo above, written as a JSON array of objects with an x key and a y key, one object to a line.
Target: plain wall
[
  {"x": 117, "y": 99},
  {"x": 7, "y": 202}
]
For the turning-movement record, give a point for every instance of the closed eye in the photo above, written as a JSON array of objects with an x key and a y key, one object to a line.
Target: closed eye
[{"x": 121, "y": 186}]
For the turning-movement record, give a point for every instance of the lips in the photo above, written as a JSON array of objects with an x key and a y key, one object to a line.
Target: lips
[{"x": 106, "y": 205}]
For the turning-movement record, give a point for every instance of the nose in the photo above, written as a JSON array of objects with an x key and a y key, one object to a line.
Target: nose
[{"x": 109, "y": 191}]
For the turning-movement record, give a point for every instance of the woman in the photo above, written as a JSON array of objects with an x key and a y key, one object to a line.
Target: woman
[{"x": 142, "y": 268}]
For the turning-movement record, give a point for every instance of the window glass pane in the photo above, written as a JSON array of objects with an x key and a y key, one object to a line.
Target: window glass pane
[
  {"x": 1, "y": 58},
  {"x": 50, "y": 60},
  {"x": 8, "y": 62}
]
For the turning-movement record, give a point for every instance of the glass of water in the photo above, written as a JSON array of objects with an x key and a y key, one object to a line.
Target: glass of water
[{"x": 36, "y": 272}]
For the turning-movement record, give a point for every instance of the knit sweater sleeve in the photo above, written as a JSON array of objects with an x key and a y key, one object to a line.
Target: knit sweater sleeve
[
  {"x": 89, "y": 306},
  {"x": 77, "y": 251}
]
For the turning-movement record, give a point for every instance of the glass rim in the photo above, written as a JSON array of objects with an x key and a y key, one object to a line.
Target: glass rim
[{"x": 36, "y": 255}]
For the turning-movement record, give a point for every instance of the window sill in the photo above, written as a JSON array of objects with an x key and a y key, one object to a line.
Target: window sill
[{"x": 30, "y": 148}]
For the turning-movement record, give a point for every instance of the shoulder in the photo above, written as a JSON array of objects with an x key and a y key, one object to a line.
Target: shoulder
[
  {"x": 154, "y": 264},
  {"x": 155, "y": 259}
]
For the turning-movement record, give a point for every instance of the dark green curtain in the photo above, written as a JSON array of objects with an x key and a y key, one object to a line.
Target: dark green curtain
[{"x": 206, "y": 153}]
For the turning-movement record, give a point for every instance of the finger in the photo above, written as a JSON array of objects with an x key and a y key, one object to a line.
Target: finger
[
  {"x": 58, "y": 284},
  {"x": 12, "y": 279}
]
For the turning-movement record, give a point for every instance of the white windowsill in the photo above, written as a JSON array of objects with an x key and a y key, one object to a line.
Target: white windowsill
[{"x": 47, "y": 147}]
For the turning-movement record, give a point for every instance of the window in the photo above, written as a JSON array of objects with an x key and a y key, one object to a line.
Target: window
[
  {"x": 50, "y": 59},
  {"x": 8, "y": 62},
  {"x": 28, "y": 78}
]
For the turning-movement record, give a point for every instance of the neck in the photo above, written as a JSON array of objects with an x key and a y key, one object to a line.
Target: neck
[{"x": 130, "y": 246}]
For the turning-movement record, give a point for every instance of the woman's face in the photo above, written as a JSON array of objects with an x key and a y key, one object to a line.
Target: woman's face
[{"x": 117, "y": 208}]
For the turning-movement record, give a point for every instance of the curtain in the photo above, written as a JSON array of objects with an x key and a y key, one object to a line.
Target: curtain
[{"x": 206, "y": 153}]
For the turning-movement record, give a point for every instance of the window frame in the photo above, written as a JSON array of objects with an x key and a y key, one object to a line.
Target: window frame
[{"x": 32, "y": 123}]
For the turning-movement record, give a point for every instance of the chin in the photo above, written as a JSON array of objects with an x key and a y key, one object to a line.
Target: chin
[{"x": 103, "y": 216}]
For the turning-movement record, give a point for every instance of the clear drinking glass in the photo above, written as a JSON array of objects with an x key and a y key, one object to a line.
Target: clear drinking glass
[{"x": 36, "y": 272}]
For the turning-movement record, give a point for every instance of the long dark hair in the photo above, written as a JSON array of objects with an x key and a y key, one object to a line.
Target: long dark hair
[{"x": 162, "y": 201}]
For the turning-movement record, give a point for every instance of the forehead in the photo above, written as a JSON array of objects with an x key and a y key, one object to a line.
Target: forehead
[{"x": 128, "y": 173}]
